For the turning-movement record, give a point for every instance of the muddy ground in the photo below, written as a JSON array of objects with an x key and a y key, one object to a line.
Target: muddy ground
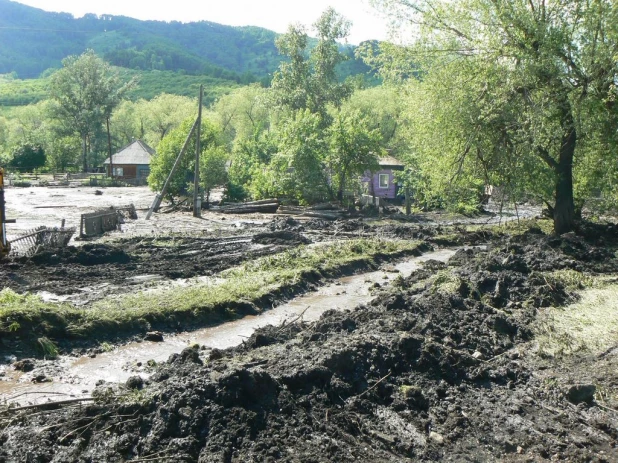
[
  {"x": 88, "y": 271},
  {"x": 438, "y": 367}
]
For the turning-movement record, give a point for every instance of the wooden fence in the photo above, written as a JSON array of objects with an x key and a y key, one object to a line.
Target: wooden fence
[{"x": 105, "y": 220}]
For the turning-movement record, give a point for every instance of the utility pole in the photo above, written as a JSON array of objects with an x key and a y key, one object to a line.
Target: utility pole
[
  {"x": 109, "y": 146},
  {"x": 159, "y": 197},
  {"x": 197, "y": 199},
  {"x": 408, "y": 201}
]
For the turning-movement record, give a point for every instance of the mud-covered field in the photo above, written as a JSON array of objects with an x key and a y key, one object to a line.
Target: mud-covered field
[
  {"x": 93, "y": 270},
  {"x": 441, "y": 366}
]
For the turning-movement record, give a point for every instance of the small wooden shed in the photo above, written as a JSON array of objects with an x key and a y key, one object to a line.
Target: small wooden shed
[
  {"x": 131, "y": 162},
  {"x": 382, "y": 183}
]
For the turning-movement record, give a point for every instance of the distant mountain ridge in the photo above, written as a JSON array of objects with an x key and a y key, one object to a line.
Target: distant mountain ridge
[{"x": 34, "y": 40}]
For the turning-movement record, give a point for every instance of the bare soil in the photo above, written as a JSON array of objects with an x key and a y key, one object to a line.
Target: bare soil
[{"x": 438, "y": 367}]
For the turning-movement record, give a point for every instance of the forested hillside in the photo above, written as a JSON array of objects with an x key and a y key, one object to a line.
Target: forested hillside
[{"x": 34, "y": 40}]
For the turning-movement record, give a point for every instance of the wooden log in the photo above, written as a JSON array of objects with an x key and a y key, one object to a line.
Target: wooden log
[
  {"x": 250, "y": 204},
  {"x": 264, "y": 208}
]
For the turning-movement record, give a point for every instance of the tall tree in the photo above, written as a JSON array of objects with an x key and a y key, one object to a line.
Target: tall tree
[
  {"x": 538, "y": 80},
  {"x": 354, "y": 148},
  {"x": 164, "y": 113},
  {"x": 213, "y": 165},
  {"x": 308, "y": 79},
  {"x": 298, "y": 169},
  {"x": 84, "y": 93}
]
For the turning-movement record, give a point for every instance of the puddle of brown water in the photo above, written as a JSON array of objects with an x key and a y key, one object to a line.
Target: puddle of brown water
[{"x": 77, "y": 377}]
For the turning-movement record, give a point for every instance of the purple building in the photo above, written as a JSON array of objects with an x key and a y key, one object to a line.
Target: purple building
[{"x": 382, "y": 184}]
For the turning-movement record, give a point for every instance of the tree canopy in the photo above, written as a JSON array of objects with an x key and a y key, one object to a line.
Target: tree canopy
[
  {"x": 521, "y": 92},
  {"x": 84, "y": 93}
]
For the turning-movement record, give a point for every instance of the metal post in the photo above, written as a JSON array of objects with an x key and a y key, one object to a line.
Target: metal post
[{"x": 197, "y": 201}]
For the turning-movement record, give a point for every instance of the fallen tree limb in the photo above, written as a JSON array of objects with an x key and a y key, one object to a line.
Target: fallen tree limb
[{"x": 47, "y": 404}]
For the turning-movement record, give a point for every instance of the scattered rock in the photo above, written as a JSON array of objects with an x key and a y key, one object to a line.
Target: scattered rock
[
  {"x": 478, "y": 355},
  {"x": 437, "y": 438},
  {"x": 41, "y": 379},
  {"x": 135, "y": 382},
  {"x": 154, "y": 336},
  {"x": 24, "y": 365}
]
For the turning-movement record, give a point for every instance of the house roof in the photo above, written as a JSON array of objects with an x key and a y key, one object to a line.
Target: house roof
[
  {"x": 390, "y": 161},
  {"x": 136, "y": 152}
]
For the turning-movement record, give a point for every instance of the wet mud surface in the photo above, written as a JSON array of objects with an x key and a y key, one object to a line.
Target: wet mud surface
[
  {"x": 437, "y": 367},
  {"x": 127, "y": 263},
  {"x": 89, "y": 271},
  {"x": 77, "y": 376}
]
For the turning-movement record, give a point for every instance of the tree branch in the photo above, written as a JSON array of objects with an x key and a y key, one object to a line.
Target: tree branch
[{"x": 545, "y": 156}]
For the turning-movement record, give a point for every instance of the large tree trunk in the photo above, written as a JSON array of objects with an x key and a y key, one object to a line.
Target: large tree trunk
[{"x": 564, "y": 210}]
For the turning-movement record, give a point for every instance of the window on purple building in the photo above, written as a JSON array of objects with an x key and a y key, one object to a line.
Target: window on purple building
[{"x": 383, "y": 180}]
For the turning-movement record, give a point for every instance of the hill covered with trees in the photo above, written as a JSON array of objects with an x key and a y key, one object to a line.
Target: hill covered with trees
[{"x": 35, "y": 40}]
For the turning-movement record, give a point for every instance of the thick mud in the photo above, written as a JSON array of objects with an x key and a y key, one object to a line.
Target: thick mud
[
  {"x": 76, "y": 377},
  {"x": 103, "y": 268},
  {"x": 436, "y": 368}
]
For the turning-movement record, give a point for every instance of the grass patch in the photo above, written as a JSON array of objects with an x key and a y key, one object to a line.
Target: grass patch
[
  {"x": 203, "y": 303},
  {"x": 445, "y": 282},
  {"x": 588, "y": 326},
  {"x": 48, "y": 348},
  {"x": 573, "y": 280},
  {"x": 515, "y": 227}
]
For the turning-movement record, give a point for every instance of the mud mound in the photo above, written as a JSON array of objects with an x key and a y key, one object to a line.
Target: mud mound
[
  {"x": 318, "y": 225},
  {"x": 281, "y": 238},
  {"x": 285, "y": 223},
  {"x": 430, "y": 370},
  {"x": 351, "y": 225},
  {"x": 87, "y": 255}
]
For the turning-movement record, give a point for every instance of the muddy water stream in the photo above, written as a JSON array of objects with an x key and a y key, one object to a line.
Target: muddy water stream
[{"x": 77, "y": 377}]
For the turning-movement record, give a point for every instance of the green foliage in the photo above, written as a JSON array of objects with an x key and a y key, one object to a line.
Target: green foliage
[
  {"x": 309, "y": 80},
  {"x": 213, "y": 172},
  {"x": 84, "y": 94},
  {"x": 516, "y": 94},
  {"x": 169, "y": 149},
  {"x": 48, "y": 348},
  {"x": 34, "y": 41},
  {"x": 27, "y": 157},
  {"x": 62, "y": 152},
  {"x": 383, "y": 108},
  {"x": 248, "y": 173},
  {"x": 243, "y": 113},
  {"x": 298, "y": 170},
  {"x": 354, "y": 148}
]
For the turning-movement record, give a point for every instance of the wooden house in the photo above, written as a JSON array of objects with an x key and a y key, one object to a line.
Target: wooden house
[
  {"x": 131, "y": 162},
  {"x": 382, "y": 184}
]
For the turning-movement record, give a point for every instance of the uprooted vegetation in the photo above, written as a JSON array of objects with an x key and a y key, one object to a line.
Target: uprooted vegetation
[{"x": 439, "y": 366}]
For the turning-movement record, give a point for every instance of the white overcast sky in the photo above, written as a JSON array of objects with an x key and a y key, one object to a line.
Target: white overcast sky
[{"x": 271, "y": 14}]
